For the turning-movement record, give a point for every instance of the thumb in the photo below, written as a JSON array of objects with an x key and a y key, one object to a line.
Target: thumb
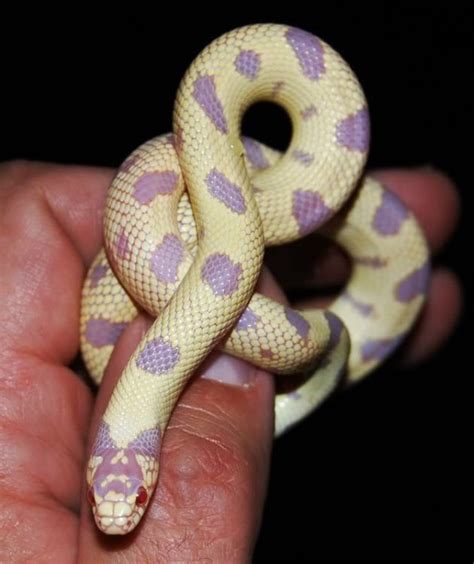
[{"x": 213, "y": 466}]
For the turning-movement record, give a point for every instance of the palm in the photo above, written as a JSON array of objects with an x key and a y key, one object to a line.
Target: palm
[{"x": 50, "y": 229}]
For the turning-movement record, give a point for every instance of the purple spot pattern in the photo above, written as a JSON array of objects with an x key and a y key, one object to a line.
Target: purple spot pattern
[
  {"x": 205, "y": 95},
  {"x": 304, "y": 158},
  {"x": 364, "y": 309},
  {"x": 110, "y": 465},
  {"x": 247, "y": 64},
  {"x": 309, "y": 52},
  {"x": 103, "y": 440},
  {"x": 176, "y": 139},
  {"x": 166, "y": 258},
  {"x": 298, "y": 322},
  {"x": 254, "y": 153},
  {"x": 131, "y": 469},
  {"x": 335, "y": 328},
  {"x": 309, "y": 210},
  {"x": 98, "y": 272},
  {"x": 353, "y": 132},
  {"x": 247, "y": 320},
  {"x": 277, "y": 88},
  {"x": 147, "y": 443},
  {"x": 152, "y": 183},
  {"x": 295, "y": 395},
  {"x": 221, "y": 274},
  {"x": 309, "y": 112},
  {"x": 128, "y": 163},
  {"x": 122, "y": 247},
  {"x": 226, "y": 192},
  {"x": 390, "y": 215},
  {"x": 100, "y": 332},
  {"x": 158, "y": 357},
  {"x": 371, "y": 262},
  {"x": 378, "y": 349},
  {"x": 414, "y": 284},
  {"x": 266, "y": 353}
]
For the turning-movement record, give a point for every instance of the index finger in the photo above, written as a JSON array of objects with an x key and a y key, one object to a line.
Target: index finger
[{"x": 74, "y": 194}]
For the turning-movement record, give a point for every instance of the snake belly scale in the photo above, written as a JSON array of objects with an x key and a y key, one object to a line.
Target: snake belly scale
[{"x": 186, "y": 221}]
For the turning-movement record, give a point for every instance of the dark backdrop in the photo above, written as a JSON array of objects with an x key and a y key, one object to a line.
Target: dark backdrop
[{"x": 382, "y": 470}]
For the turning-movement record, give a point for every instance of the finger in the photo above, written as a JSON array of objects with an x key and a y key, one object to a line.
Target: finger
[
  {"x": 315, "y": 262},
  {"x": 75, "y": 196},
  {"x": 49, "y": 224},
  {"x": 438, "y": 319},
  {"x": 45, "y": 409},
  {"x": 214, "y": 466}
]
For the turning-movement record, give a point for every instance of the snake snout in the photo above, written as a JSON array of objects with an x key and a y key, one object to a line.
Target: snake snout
[{"x": 115, "y": 525}]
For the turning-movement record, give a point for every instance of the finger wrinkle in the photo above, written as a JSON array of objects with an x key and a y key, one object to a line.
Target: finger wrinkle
[
  {"x": 218, "y": 417},
  {"x": 194, "y": 434}
]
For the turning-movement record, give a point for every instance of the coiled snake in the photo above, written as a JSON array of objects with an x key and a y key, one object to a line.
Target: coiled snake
[{"x": 186, "y": 221}]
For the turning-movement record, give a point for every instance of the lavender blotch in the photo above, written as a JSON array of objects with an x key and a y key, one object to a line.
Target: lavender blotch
[
  {"x": 414, "y": 284},
  {"x": 103, "y": 439},
  {"x": 308, "y": 50},
  {"x": 129, "y": 163},
  {"x": 304, "y": 158},
  {"x": 166, "y": 258},
  {"x": 147, "y": 443},
  {"x": 206, "y": 96},
  {"x": 226, "y": 192},
  {"x": 353, "y": 132},
  {"x": 364, "y": 309},
  {"x": 390, "y": 215},
  {"x": 309, "y": 112},
  {"x": 335, "y": 328},
  {"x": 221, "y": 274},
  {"x": 298, "y": 322},
  {"x": 101, "y": 332},
  {"x": 247, "y": 320},
  {"x": 153, "y": 183},
  {"x": 122, "y": 246},
  {"x": 254, "y": 153},
  {"x": 378, "y": 349},
  {"x": 158, "y": 357},
  {"x": 247, "y": 63},
  {"x": 309, "y": 210},
  {"x": 98, "y": 272}
]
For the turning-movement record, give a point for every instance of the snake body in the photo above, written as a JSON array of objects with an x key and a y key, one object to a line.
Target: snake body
[{"x": 186, "y": 221}]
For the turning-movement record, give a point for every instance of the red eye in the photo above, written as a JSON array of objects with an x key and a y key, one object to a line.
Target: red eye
[
  {"x": 90, "y": 496},
  {"x": 142, "y": 496}
]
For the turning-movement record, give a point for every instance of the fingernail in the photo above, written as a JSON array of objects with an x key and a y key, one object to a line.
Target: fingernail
[{"x": 229, "y": 370}]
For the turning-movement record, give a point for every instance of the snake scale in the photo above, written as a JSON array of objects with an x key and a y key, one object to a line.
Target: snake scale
[{"x": 186, "y": 221}]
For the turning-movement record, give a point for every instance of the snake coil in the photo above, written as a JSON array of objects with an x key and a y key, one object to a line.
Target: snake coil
[{"x": 186, "y": 221}]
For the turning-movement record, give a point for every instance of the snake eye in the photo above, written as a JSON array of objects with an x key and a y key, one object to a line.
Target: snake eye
[
  {"x": 142, "y": 496},
  {"x": 90, "y": 496}
]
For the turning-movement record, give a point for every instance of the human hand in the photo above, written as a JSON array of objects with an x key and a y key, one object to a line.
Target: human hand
[{"x": 216, "y": 452}]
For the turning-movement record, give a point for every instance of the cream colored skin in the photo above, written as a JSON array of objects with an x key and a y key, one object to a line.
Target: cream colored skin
[{"x": 191, "y": 316}]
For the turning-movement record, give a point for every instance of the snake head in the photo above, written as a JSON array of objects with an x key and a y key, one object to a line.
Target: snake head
[{"x": 120, "y": 483}]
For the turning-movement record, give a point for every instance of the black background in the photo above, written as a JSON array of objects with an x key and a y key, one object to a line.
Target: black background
[{"x": 381, "y": 470}]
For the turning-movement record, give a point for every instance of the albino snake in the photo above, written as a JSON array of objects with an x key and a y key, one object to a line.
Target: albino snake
[{"x": 187, "y": 217}]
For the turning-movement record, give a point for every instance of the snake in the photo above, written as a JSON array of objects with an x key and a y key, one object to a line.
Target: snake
[{"x": 186, "y": 222}]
